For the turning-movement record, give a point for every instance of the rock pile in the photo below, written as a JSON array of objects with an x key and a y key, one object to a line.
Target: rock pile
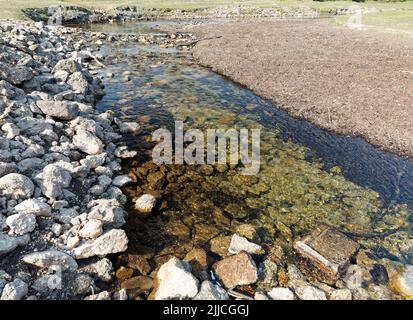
[
  {"x": 327, "y": 266},
  {"x": 70, "y": 14},
  {"x": 60, "y": 179}
]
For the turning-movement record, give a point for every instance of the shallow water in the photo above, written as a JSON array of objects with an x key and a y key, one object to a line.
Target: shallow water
[{"x": 307, "y": 175}]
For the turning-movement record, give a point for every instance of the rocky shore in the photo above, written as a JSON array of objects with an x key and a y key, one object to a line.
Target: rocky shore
[
  {"x": 78, "y": 15},
  {"x": 325, "y": 265},
  {"x": 60, "y": 167},
  {"x": 63, "y": 220}
]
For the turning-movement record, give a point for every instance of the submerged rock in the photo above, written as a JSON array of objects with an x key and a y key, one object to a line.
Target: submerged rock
[
  {"x": 325, "y": 253},
  {"x": 137, "y": 285},
  {"x": 401, "y": 279},
  {"x": 198, "y": 260},
  {"x": 129, "y": 127}
]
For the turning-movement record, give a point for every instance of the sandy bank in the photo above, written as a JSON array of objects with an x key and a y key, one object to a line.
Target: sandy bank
[{"x": 351, "y": 82}]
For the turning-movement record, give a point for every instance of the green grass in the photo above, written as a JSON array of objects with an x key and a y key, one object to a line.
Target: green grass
[
  {"x": 387, "y": 21},
  {"x": 11, "y": 9},
  {"x": 402, "y": 19}
]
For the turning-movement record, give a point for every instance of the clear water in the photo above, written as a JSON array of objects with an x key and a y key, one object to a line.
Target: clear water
[{"x": 307, "y": 175}]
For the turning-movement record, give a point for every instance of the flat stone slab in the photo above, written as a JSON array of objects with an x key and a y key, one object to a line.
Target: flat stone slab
[
  {"x": 236, "y": 270},
  {"x": 325, "y": 254}
]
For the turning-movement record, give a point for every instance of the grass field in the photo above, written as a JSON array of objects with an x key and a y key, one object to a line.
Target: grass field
[
  {"x": 395, "y": 15},
  {"x": 397, "y": 21}
]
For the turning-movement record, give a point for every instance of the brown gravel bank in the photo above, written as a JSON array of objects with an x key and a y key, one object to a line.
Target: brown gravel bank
[{"x": 351, "y": 82}]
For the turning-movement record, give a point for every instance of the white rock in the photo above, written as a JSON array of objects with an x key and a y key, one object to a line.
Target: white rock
[
  {"x": 113, "y": 241},
  {"x": 104, "y": 295},
  {"x": 64, "y": 110},
  {"x": 260, "y": 296},
  {"x": 129, "y": 127},
  {"x": 21, "y": 223},
  {"x": 16, "y": 186},
  {"x": 94, "y": 161},
  {"x": 8, "y": 243},
  {"x": 34, "y": 206},
  {"x": 57, "y": 229},
  {"x": 72, "y": 242},
  {"x": 145, "y": 203},
  {"x": 52, "y": 181},
  {"x": 14, "y": 290},
  {"x": 103, "y": 269},
  {"x": 51, "y": 258},
  {"x": 403, "y": 281},
  {"x": 69, "y": 65},
  {"x": 340, "y": 294},
  {"x": 211, "y": 291},
  {"x": 175, "y": 281},
  {"x": 310, "y": 293},
  {"x": 87, "y": 142},
  {"x": 103, "y": 171},
  {"x": 239, "y": 244},
  {"x": 124, "y": 153},
  {"x": 11, "y": 130},
  {"x": 110, "y": 212},
  {"x": 121, "y": 181},
  {"x": 281, "y": 294},
  {"x": 92, "y": 229}
]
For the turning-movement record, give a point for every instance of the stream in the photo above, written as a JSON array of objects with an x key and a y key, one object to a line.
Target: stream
[{"x": 307, "y": 175}]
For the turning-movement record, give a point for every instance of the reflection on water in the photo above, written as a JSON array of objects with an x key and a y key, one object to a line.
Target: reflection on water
[{"x": 307, "y": 175}]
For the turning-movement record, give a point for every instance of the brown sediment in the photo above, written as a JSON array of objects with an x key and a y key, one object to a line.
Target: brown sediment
[{"x": 351, "y": 82}]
